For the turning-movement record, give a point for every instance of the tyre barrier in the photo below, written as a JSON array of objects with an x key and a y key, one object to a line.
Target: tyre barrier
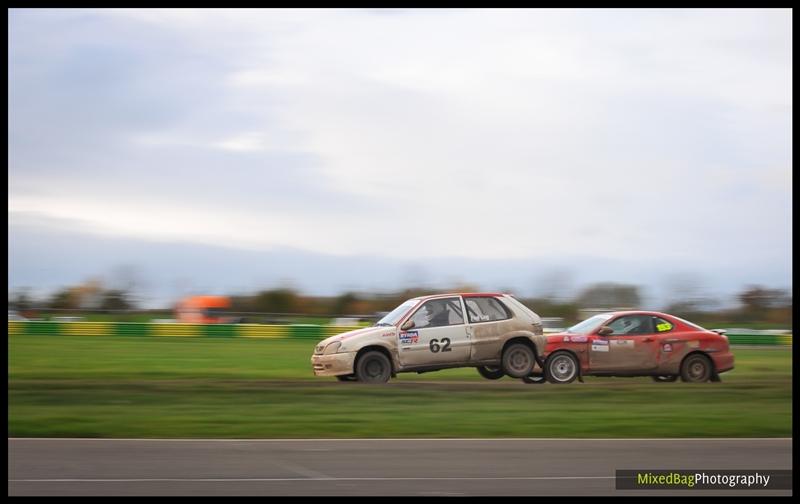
[
  {"x": 270, "y": 331},
  {"x": 161, "y": 329}
]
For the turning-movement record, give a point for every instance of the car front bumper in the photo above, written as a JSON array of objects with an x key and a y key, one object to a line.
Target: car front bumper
[{"x": 333, "y": 364}]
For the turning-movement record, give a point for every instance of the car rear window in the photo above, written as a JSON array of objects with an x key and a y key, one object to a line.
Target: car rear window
[
  {"x": 691, "y": 324},
  {"x": 485, "y": 309}
]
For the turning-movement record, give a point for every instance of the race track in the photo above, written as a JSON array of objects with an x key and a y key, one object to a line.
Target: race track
[{"x": 370, "y": 467}]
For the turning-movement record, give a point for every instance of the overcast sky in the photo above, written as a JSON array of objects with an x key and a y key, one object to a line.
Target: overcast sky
[{"x": 646, "y": 136}]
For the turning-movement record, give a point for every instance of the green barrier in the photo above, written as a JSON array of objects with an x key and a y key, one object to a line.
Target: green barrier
[
  {"x": 37, "y": 328},
  {"x": 757, "y": 339},
  {"x": 131, "y": 329},
  {"x": 307, "y": 331},
  {"x": 272, "y": 331},
  {"x": 219, "y": 331}
]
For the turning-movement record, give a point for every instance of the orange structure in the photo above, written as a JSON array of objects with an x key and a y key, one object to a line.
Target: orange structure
[{"x": 203, "y": 310}]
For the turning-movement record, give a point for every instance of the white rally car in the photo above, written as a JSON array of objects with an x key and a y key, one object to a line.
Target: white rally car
[{"x": 492, "y": 332}]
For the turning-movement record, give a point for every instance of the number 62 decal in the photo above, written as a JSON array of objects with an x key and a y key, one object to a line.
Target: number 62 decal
[{"x": 445, "y": 347}]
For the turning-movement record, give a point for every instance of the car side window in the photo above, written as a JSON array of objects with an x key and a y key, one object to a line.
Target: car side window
[
  {"x": 485, "y": 309},
  {"x": 662, "y": 325},
  {"x": 438, "y": 313},
  {"x": 632, "y": 325}
]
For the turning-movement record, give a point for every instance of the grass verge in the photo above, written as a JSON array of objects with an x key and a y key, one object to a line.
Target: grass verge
[{"x": 151, "y": 387}]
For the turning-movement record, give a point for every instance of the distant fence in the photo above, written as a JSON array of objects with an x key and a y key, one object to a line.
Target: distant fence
[
  {"x": 306, "y": 331},
  {"x": 759, "y": 339}
]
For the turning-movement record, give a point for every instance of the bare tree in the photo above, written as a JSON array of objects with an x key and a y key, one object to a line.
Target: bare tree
[
  {"x": 609, "y": 295},
  {"x": 554, "y": 285}
]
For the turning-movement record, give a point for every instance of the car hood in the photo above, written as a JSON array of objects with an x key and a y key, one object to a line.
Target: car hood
[
  {"x": 565, "y": 336},
  {"x": 358, "y": 334}
]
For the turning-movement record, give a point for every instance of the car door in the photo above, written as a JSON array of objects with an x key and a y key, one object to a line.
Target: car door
[
  {"x": 439, "y": 335},
  {"x": 631, "y": 348},
  {"x": 488, "y": 322}
]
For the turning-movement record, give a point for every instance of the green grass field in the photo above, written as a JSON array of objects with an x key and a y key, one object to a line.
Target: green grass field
[{"x": 193, "y": 387}]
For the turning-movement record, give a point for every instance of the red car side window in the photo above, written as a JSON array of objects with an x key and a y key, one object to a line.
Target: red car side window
[{"x": 662, "y": 325}]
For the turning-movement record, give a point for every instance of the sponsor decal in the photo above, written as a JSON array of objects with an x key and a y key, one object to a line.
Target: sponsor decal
[
  {"x": 623, "y": 343},
  {"x": 387, "y": 335},
  {"x": 409, "y": 337},
  {"x": 600, "y": 342},
  {"x": 666, "y": 326},
  {"x": 566, "y": 339},
  {"x": 600, "y": 345},
  {"x": 576, "y": 339},
  {"x": 667, "y": 347}
]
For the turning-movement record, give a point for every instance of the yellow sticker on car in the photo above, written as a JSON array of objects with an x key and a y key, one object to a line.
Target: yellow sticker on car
[{"x": 666, "y": 326}]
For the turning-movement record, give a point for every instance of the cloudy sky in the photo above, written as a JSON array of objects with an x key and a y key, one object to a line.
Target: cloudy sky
[{"x": 420, "y": 140}]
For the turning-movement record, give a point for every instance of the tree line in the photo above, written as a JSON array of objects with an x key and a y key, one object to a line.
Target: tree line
[{"x": 755, "y": 303}]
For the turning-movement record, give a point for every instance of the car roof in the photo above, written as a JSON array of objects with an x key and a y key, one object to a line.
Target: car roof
[
  {"x": 634, "y": 312},
  {"x": 464, "y": 294}
]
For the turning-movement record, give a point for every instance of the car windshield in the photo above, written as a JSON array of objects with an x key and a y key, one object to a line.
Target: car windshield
[
  {"x": 589, "y": 324},
  {"x": 394, "y": 316}
]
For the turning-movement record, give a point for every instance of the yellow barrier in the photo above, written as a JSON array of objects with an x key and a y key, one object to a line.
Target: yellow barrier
[
  {"x": 263, "y": 331},
  {"x": 160, "y": 329},
  {"x": 86, "y": 328}
]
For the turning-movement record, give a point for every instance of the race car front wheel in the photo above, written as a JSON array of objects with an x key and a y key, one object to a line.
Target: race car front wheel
[
  {"x": 561, "y": 367},
  {"x": 373, "y": 367},
  {"x": 491, "y": 373},
  {"x": 696, "y": 368}
]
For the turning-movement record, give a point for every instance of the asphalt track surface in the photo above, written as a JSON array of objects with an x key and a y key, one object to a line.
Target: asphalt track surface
[{"x": 431, "y": 467}]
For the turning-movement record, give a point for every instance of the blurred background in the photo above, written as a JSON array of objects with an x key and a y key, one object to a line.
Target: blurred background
[{"x": 157, "y": 154}]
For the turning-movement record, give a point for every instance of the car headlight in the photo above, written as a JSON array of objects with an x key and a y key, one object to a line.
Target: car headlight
[{"x": 332, "y": 347}]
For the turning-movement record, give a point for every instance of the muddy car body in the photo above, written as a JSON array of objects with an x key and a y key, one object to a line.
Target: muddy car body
[
  {"x": 490, "y": 331},
  {"x": 637, "y": 343}
]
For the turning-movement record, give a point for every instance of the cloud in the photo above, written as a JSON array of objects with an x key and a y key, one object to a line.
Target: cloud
[{"x": 472, "y": 133}]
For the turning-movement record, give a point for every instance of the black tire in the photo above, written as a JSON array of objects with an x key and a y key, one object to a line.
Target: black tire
[
  {"x": 491, "y": 373},
  {"x": 696, "y": 368},
  {"x": 561, "y": 368},
  {"x": 373, "y": 367},
  {"x": 347, "y": 377},
  {"x": 534, "y": 379},
  {"x": 518, "y": 360},
  {"x": 665, "y": 378}
]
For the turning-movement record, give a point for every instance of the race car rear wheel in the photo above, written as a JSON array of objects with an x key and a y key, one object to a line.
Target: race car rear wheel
[
  {"x": 696, "y": 368},
  {"x": 561, "y": 367},
  {"x": 373, "y": 367},
  {"x": 665, "y": 378},
  {"x": 518, "y": 360},
  {"x": 491, "y": 373}
]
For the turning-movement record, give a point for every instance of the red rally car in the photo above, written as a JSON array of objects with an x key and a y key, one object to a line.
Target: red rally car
[{"x": 635, "y": 343}]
